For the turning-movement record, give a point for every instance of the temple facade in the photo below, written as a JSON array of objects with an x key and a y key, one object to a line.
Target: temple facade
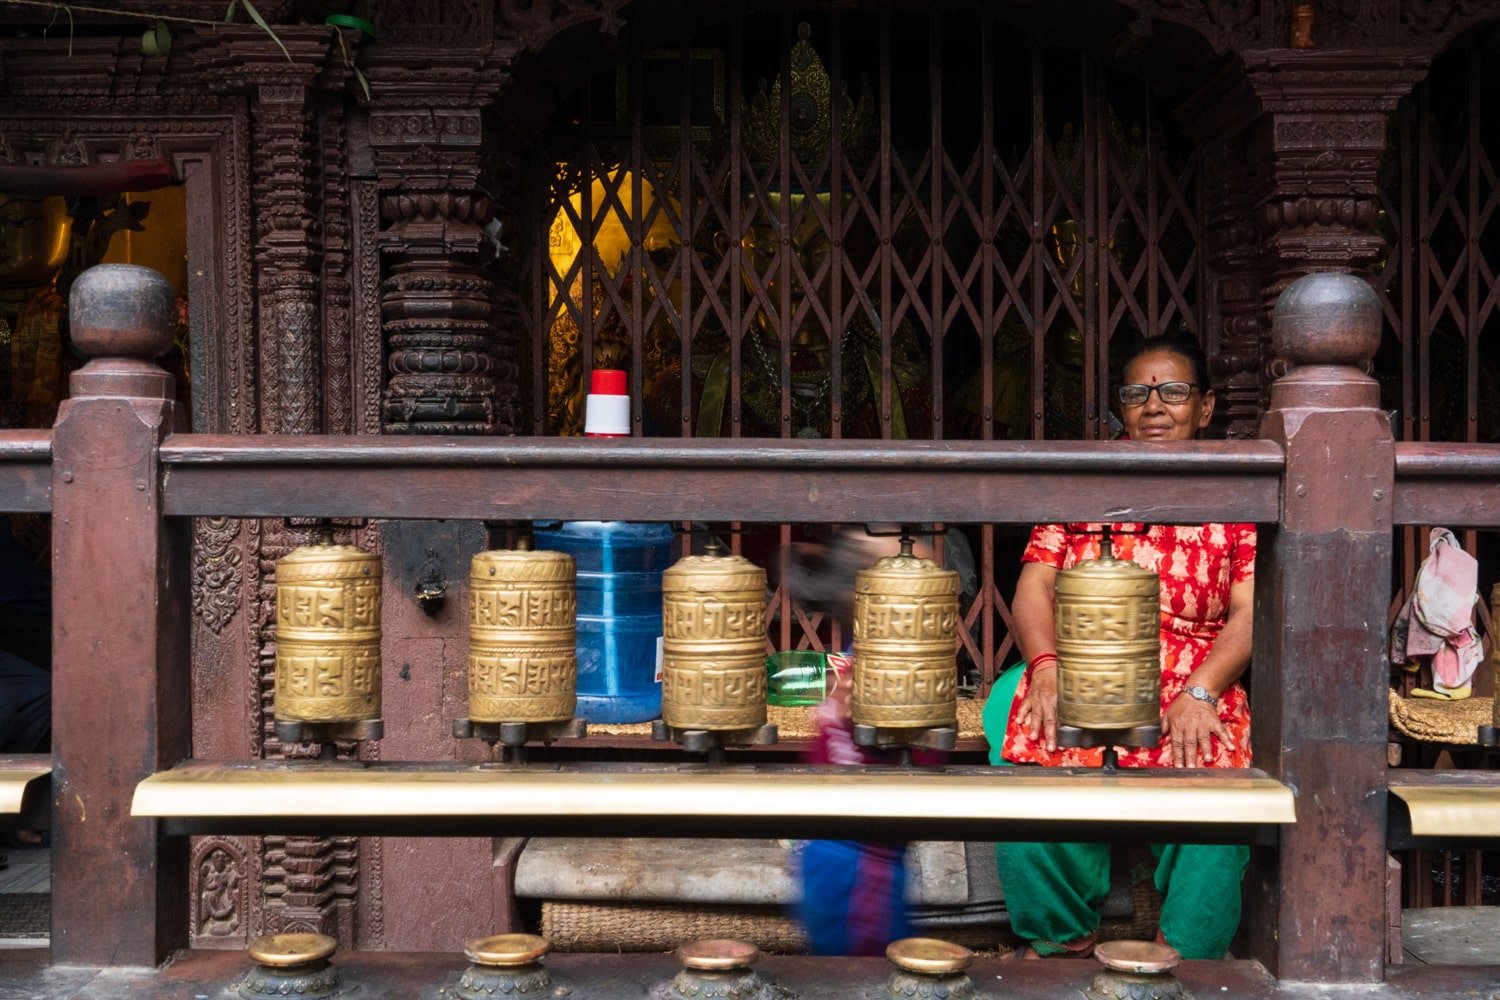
[{"x": 840, "y": 221}]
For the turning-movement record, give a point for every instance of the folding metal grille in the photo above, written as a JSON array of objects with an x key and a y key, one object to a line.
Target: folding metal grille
[
  {"x": 957, "y": 248},
  {"x": 1439, "y": 366}
]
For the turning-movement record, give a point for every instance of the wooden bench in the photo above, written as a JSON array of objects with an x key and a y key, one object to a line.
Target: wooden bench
[
  {"x": 24, "y": 803},
  {"x": 1450, "y": 809},
  {"x": 952, "y": 803}
]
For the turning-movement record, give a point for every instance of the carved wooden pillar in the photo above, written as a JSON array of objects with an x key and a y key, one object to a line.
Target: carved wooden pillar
[
  {"x": 1236, "y": 307},
  {"x": 438, "y": 297},
  {"x": 1291, "y": 143},
  {"x": 303, "y": 307},
  {"x": 289, "y": 226},
  {"x": 338, "y": 321},
  {"x": 1316, "y": 905},
  {"x": 1324, "y": 124},
  {"x": 1217, "y": 118},
  {"x": 119, "y": 886}
]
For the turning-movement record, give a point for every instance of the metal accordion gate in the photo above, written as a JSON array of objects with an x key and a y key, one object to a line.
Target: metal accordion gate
[
  {"x": 788, "y": 228},
  {"x": 1439, "y": 365}
]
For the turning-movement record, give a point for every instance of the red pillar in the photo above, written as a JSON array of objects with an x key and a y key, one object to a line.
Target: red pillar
[
  {"x": 120, "y": 638},
  {"x": 1316, "y": 908}
]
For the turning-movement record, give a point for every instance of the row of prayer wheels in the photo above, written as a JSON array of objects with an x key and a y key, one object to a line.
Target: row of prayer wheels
[
  {"x": 523, "y": 657},
  {"x": 522, "y": 652}
]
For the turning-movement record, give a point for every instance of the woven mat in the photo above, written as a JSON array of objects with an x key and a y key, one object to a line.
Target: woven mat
[
  {"x": 797, "y": 724},
  {"x": 25, "y": 914},
  {"x": 637, "y": 927},
  {"x": 1435, "y": 721},
  {"x": 650, "y": 927}
]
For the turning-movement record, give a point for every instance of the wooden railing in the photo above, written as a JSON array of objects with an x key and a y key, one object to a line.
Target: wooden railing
[{"x": 1326, "y": 481}]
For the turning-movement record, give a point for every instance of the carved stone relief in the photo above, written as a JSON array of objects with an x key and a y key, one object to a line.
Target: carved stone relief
[
  {"x": 218, "y": 573},
  {"x": 219, "y": 887},
  {"x": 433, "y": 22}
]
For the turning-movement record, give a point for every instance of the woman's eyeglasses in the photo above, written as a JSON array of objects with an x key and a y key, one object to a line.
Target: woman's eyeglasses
[{"x": 1170, "y": 392}]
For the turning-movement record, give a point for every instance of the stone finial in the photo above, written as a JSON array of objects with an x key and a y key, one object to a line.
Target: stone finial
[
  {"x": 121, "y": 310},
  {"x": 1326, "y": 318}
]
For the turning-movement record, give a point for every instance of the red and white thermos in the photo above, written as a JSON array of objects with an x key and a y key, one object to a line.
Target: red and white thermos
[{"x": 606, "y": 412}]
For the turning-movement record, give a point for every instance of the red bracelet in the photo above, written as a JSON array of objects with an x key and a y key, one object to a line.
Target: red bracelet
[{"x": 1042, "y": 661}]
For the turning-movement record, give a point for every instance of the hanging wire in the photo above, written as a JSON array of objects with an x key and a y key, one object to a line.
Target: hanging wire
[{"x": 69, "y": 8}]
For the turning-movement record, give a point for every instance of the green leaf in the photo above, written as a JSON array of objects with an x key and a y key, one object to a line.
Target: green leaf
[{"x": 229, "y": 14}]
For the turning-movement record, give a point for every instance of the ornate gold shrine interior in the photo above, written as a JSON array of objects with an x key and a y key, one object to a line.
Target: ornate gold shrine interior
[{"x": 46, "y": 241}]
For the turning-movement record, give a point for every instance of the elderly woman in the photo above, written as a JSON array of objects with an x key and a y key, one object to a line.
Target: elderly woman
[{"x": 1053, "y": 891}]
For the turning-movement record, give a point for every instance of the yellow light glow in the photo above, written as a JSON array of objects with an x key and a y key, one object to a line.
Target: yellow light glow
[{"x": 612, "y": 237}]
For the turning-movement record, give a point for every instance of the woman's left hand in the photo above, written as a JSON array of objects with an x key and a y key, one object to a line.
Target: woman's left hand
[{"x": 1191, "y": 724}]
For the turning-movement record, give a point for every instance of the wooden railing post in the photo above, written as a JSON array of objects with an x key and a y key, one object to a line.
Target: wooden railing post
[
  {"x": 1316, "y": 908},
  {"x": 120, "y": 639}
]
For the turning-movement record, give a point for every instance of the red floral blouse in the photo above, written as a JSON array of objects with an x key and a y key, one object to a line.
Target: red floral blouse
[{"x": 1197, "y": 566}]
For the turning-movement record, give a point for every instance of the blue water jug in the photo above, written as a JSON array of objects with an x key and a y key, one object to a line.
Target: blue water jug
[{"x": 619, "y": 614}]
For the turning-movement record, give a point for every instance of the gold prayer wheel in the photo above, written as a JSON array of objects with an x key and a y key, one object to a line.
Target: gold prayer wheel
[
  {"x": 1108, "y": 630},
  {"x": 713, "y": 643},
  {"x": 328, "y": 634},
  {"x": 905, "y": 643},
  {"x": 523, "y": 643}
]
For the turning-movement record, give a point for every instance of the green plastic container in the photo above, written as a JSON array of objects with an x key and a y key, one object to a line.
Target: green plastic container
[{"x": 796, "y": 677}]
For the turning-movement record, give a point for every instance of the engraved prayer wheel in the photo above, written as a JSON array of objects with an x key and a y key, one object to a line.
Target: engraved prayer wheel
[
  {"x": 905, "y": 643},
  {"x": 713, "y": 643},
  {"x": 1108, "y": 629},
  {"x": 328, "y": 634},
  {"x": 523, "y": 642}
]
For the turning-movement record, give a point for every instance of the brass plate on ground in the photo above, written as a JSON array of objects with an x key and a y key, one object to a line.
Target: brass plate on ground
[
  {"x": 1144, "y": 957},
  {"x": 505, "y": 950},
  {"x": 13, "y": 782},
  {"x": 1453, "y": 812},
  {"x": 717, "y": 954},
  {"x": 283, "y": 951},
  {"x": 931, "y": 956}
]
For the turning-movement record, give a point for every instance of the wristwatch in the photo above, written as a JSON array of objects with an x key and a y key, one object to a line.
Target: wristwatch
[{"x": 1200, "y": 693}]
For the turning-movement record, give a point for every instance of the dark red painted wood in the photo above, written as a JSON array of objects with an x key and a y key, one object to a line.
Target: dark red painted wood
[
  {"x": 1316, "y": 909},
  {"x": 722, "y": 480},
  {"x": 1455, "y": 485},
  {"x": 120, "y": 695},
  {"x": 25, "y": 471}
]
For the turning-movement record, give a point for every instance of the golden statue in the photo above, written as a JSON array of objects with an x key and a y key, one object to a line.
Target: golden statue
[{"x": 34, "y": 241}]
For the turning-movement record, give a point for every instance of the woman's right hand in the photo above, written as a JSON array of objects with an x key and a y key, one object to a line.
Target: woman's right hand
[{"x": 1038, "y": 712}]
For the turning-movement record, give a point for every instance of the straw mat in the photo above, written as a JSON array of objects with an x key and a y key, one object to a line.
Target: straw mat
[
  {"x": 661, "y": 927},
  {"x": 651, "y": 927},
  {"x": 1434, "y": 721}
]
